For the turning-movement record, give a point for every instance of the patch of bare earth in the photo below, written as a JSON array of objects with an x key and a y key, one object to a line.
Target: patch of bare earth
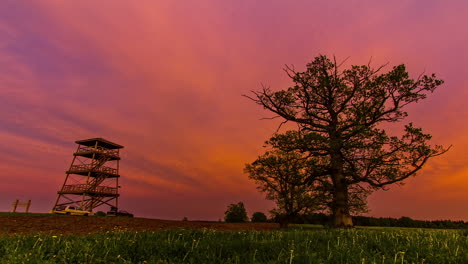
[{"x": 85, "y": 225}]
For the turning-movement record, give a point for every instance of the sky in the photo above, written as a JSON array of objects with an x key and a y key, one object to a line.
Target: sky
[{"x": 165, "y": 79}]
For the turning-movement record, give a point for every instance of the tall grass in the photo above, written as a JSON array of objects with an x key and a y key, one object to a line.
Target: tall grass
[{"x": 206, "y": 246}]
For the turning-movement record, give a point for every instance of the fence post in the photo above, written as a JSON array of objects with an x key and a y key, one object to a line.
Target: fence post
[
  {"x": 27, "y": 206},
  {"x": 15, "y": 204}
]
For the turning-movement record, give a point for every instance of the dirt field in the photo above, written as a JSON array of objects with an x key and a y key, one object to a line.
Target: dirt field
[{"x": 12, "y": 224}]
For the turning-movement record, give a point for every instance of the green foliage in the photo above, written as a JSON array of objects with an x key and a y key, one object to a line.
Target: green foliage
[
  {"x": 100, "y": 213},
  {"x": 307, "y": 244},
  {"x": 236, "y": 213},
  {"x": 259, "y": 217}
]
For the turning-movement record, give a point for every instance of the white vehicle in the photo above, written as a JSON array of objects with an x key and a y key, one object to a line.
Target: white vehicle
[{"x": 70, "y": 210}]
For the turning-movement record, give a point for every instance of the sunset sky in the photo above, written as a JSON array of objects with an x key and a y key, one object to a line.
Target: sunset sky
[{"x": 165, "y": 79}]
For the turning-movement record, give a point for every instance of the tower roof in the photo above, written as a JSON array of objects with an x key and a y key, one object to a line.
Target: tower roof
[{"x": 101, "y": 142}]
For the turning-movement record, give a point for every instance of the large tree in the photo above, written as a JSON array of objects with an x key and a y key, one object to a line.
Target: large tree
[{"x": 340, "y": 114}]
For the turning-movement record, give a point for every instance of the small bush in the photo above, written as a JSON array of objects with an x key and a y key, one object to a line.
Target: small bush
[
  {"x": 100, "y": 213},
  {"x": 259, "y": 217},
  {"x": 236, "y": 213}
]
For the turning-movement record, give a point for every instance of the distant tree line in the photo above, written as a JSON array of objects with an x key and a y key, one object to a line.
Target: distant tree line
[
  {"x": 408, "y": 222},
  {"x": 236, "y": 213},
  {"x": 324, "y": 219}
]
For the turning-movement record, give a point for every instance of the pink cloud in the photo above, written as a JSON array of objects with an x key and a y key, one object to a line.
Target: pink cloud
[{"x": 165, "y": 80}]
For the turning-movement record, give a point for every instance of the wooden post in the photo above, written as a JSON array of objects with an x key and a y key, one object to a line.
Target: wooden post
[
  {"x": 28, "y": 204},
  {"x": 15, "y": 204}
]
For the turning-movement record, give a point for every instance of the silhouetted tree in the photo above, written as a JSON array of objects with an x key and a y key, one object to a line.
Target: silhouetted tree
[
  {"x": 236, "y": 213},
  {"x": 338, "y": 114},
  {"x": 259, "y": 217},
  {"x": 281, "y": 176}
]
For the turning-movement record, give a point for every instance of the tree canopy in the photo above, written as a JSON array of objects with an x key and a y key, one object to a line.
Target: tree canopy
[
  {"x": 281, "y": 176},
  {"x": 339, "y": 115}
]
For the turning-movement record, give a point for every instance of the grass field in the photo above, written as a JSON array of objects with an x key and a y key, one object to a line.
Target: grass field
[{"x": 301, "y": 244}]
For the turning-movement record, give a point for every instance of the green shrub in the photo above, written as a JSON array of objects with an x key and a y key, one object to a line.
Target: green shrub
[
  {"x": 236, "y": 213},
  {"x": 100, "y": 213},
  {"x": 259, "y": 217}
]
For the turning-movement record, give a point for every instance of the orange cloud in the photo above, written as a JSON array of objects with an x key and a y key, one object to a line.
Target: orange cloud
[{"x": 165, "y": 80}]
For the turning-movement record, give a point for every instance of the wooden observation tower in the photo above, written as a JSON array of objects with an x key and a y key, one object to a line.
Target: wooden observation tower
[{"x": 93, "y": 177}]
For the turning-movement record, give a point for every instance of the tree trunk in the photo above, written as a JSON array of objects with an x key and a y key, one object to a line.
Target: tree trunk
[
  {"x": 340, "y": 208},
  {"x": 283, "y": 221},
  {"x": 341, "y": 216}
]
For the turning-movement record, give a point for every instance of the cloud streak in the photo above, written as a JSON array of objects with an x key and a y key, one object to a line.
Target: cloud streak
[{"x": 165, "y": 80}]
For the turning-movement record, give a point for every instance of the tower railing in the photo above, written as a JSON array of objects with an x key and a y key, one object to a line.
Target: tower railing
[
  {"x": 101, "y": 150},
  {"x": 92, "y": 167},
  {"x": 86, "y": 188}
]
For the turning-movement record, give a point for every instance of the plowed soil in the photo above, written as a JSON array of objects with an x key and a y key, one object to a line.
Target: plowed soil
[{"x": 55, "y": 224}]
